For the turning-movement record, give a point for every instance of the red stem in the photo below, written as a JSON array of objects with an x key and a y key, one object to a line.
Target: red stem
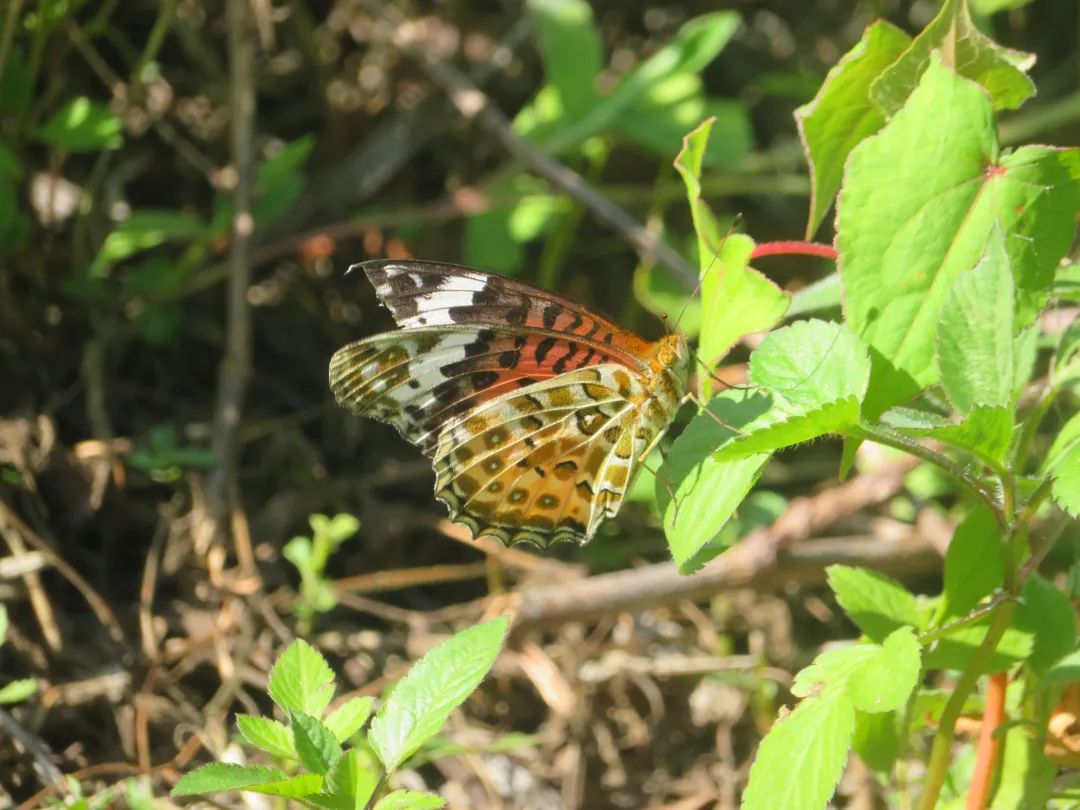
[
  {"x": 989, "y": 745},
  {"x": 794, "y": 248}
]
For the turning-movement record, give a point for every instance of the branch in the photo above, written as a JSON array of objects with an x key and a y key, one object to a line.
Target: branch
[
  {"x": 236, "y": 363},
  {"x": 757, "y": 561}
]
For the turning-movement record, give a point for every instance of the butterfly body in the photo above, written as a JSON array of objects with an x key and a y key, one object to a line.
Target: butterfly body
[{"x": 535, "y": 411}]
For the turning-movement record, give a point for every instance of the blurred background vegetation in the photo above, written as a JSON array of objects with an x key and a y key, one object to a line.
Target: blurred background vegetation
[{"x": 118, "y": 178}]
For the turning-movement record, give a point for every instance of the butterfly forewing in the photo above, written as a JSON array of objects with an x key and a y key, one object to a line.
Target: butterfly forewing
[{"x": 534, "y": 409}]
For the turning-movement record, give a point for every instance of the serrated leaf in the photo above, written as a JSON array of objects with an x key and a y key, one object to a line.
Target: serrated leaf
[
  {"x": 831, "y": 670},
  {"x": 17, "y": 690},
  {"x": 349, "y": 718},
  {"x": 82, "y": 125},
  {"x": 350, "y": 782},
  {"x": 316, "y": 745},
  {"x": 266, "y": 734},
  {"x": 735, "y": 299},
  {"x": 901, "y": 253},
  {"x": 422, "y": 701},
  {"x": 696, "y": 493},
  {"x": 219, "y": 776},
  {"x": 799, "y": 762},
  {"x": 884, "y": 682},
  {"x": 779, "y": 428},
  {"x": 811, "y": 363},
  {"x": 975, "y": 333},
  {"x": 1047, "y": 613},
  {"x": 571, "y": 50},
  {"x": 842, "y": 113},
  {"x": 301, "y": 680},
  {"x": 876, "y": 603},
  {"x": 974, "y": 563},
  {"x": 964, "y": 48},
  {"x": 410, "y": 800},
  {"x": 1066, "y": 484}
]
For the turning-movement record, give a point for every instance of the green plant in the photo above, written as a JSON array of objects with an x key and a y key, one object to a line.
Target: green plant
[
  {"x": 949, "y": 248},
  {"x": 310, "y": 555},
  {"x": 20, "y": 689},
  {"x": 341, "y": 765}
]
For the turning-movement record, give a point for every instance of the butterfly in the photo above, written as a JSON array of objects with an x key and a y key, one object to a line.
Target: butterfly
[{"x": 536, "y": 412}]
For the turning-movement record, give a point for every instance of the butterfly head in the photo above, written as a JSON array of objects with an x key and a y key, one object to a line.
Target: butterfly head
[{"x": 672, "y": 359}]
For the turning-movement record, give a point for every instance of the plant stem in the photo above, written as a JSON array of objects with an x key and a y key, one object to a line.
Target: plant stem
[
  {"x": 941, "y": 750},
  {"x": 989, "y": 745}
]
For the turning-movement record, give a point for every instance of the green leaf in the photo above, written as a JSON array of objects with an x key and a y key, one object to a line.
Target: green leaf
[
  {"x": 82, "y": 125},
  {"x": 736, "y": 300},
  {"x": 1026, "y": 773},
  {"x": 301, "y": 680},
  {"x": 1066, "y": 485},
  {"x": 824, "y": 294},
  {"x": 801, "y": 758},
  {"x": 219, "y": 776},
  {"x": 1066, "y": 440},
  {"x": 410, "y": 800},
  {"x": 987, "y": 432},
  {"x": 877, "y": 740},
  {"x": 3, "y": 623},
  {"x": 975, "y": 333},
  {"x": 421, "y": 703},
  {"x": 141, "y": 231},
  {"x": 784, "y": 426},
  {"x": 316, "y": 745},
  {"x": 266, "y": 734},
  {"x": 675, "y": 105},
  {"x": 811, "y": 363},
  {"x": 17, "y": 690},
  {"x": 1047, "y": 612},
  {"x": 876, "y": 603},
  {"x": 350, "y": 782},
  {"x": 955, "y": 650},
  {"x": 1064, "y": 670},
  {"x": 660, "y": 293},
  {"x": 349, "y": 718},
  {"x": 842, "y": 113},
  {"x": 884, "y": 682},
  {"x": 696, "y": 493},
  {"x": 1025, "y": 353},
  {"x": 964, "y": 48},
  {"x": 974, "y": 563},
  {"x": 571, "y": 50},
  {"x": 832, "y": 669},
  {"x": 900, "y": 254}
]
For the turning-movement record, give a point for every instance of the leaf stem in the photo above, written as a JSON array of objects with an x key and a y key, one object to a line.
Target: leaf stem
[
  {"x": 789, "y": 248},
  {"x": 941, "y": 750},
  {"x": 883, "y": 435}
]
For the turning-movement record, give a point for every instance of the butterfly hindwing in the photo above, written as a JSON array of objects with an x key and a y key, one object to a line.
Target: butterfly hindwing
[{"x": 545, "y": 464}]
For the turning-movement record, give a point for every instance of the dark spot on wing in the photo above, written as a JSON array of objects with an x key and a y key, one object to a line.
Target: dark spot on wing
[{"x": 542, "y": 349}]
